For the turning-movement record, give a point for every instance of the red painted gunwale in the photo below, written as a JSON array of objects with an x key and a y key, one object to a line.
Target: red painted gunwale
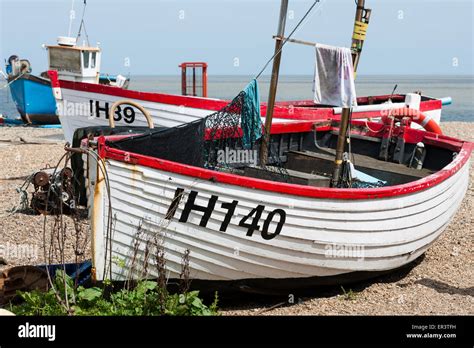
[
  {"x": 415, "y": 136},
  {"x": 283, "y": 110}
]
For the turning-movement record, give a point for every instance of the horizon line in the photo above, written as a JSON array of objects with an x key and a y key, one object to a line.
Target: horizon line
[{"x": 306, "y": 75}]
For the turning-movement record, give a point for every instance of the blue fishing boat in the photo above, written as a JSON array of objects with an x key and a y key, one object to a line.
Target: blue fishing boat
[
  {"x": 34, "y": 96},
  {"x": 31, "y": 94}
]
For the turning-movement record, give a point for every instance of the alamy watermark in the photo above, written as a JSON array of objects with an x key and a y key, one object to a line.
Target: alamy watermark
[
  {"x": 344, "y": 251},
  {"x": 67, "y": 108},
  {"x": 389, "y": 110},
  {"x": 28, "y": 330},
  {"x": 11, "y": 251},
  {"x": 242, "y": 156}
]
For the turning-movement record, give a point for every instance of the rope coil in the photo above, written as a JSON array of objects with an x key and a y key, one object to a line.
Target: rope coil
[{"x": 360, "y": 30}]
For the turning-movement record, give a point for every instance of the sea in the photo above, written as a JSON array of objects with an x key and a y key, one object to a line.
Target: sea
[{"x": 298, "y": 87}]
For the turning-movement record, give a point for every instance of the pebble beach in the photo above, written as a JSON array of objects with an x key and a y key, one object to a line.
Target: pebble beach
[{"x": 440, "y": 282}]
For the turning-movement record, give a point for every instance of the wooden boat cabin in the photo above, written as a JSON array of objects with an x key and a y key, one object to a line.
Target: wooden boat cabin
[{"x": 73, "y": 62}]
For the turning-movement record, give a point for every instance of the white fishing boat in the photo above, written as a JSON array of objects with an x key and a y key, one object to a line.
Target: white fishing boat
[
  {"x": 246, "y": 230},
  {"x": 85, "y": 105},
  {"x": 287, "y": 205}
]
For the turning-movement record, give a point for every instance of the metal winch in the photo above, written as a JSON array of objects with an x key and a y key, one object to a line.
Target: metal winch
[{"x": 54, "y": 192}]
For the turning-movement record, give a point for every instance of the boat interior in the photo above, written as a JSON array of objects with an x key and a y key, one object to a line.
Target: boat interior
[
  {"x": 304, "y": 154},
  {"x": 361, "y": 101}
]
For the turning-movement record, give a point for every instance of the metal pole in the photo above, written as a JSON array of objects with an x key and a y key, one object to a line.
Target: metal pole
[
  {"x": 204, "y": 80},
  {"x": 194, "y": 80},
  {"x": 344, "y": 123},
  {"x": 183, "y": 79},
  {"x": 273, "y": 83},
  {"x": 71, "y": 17}
]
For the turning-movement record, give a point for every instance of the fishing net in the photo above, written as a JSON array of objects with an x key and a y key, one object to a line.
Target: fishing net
[
  {"x": 227, "y": 140},
  {"x": 364, "y": 184},
  {"x": 350, "y": 178}
]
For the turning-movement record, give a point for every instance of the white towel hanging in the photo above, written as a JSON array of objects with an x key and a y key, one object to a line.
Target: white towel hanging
[{"x": 334, "y": 77}]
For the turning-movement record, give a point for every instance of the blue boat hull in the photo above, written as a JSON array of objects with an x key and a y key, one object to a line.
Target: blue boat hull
[{"x": 33, "y": 97}]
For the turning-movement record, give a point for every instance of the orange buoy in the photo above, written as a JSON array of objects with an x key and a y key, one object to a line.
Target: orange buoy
[{"x": 418, "y": 117}]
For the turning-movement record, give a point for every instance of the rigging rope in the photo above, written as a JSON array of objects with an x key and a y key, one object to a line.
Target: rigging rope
[
  {"x": 289, "y": 36},
  {"x": 16, "y": 78},
  {"x": 83, "y": 25},
  {"x": 71, "y": 17}
]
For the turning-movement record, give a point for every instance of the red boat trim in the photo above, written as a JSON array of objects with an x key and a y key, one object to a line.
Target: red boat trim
[
  {"x": 284, "y": 110},
  {"x": 412, "y": 136},
  {"x": 426, "y": 105},
  {"x": 188, "y": 101},
  {"x": 53, "y": 76},
  {"x": 461, "y": 159},
  {"x": 430, "y": 105}
]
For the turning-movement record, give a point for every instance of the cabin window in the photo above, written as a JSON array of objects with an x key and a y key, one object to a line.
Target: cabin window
[
  {"x": 85, "y": 57},
  {"x": 93, "y": 54},
  {"x": 65, "y": 59}
]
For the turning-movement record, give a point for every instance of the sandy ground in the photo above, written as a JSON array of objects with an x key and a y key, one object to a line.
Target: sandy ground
[
  {"x": 23, "y": 151},
  {"x": 441, "y": 282}
]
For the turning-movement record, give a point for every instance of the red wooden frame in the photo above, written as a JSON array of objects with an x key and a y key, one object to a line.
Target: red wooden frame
[
  {"x": 413, "y": 136},
  {"x": 283, "y": 110},
  {"x": 184, "y": 82}
]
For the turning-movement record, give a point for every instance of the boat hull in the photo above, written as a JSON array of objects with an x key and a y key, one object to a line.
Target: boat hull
[
  {"x": 85, "y": 105},
  {"x": 33, "y": 97},
  {"x": 334, "y": 237}
]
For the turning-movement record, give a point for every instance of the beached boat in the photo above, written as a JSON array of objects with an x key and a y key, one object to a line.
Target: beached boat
[
  {"x": 33, "y": 95},
  {"x": 245, "y": 229},
  {"x": 91, "y": 104},
  {"x": 292, "y": 204}
]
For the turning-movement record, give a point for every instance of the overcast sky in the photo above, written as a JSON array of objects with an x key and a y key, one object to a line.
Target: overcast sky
[{"x": 235, "y": 36}]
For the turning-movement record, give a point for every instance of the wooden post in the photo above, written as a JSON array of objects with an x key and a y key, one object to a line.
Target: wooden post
[
  {"x": 194, "y": 81},
  {"x": 204, "y": 80},
  {"x": 344, "y": 124},
  {"x": 183, "y": 79},
  {"x": 273, "y": 83}
]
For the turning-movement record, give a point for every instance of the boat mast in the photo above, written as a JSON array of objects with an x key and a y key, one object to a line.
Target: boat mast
[
  {"x": 274, "y": 82},
  {"x": 71, "y": 17},
  {"x": 357, "y": 42}
]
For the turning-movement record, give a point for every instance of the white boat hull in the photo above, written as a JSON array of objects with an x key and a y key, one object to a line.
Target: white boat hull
[
  {"x": 162, "y": 114},
  {"x": 85, "y": 105},
  {"x": 319, "y": 238}
]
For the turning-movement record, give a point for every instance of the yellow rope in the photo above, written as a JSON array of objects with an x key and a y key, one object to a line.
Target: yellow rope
[{"x": 360, "y": 30}]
